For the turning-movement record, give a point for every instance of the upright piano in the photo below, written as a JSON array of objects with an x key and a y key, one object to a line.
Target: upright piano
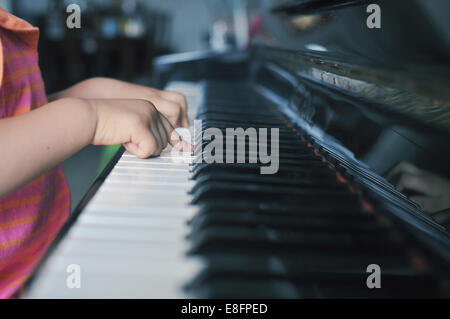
[{"x": 349, "y": 103}]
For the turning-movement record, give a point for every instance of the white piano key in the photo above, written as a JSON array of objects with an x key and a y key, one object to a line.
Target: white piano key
[
  {"x": 156, "y": 234},
  {"x": 151, "y": 166},
  {"x": 147, "y": 175},
  {"x": 144, "y": 179},
  {"x": 159, "y": 185},
  {"x": 174, "y": 170},
  {"x": 105, "y": 286},
  {"x": 160, "y": 200},
  {"x": 157, "y": 211},
  {"x": 112, "y": 266},
  {"x": 151, "y": 172},
  {"x": 128, "y": 221},
  {"x": 81, "y": 246},
  {"x": 155, "y": 160}
]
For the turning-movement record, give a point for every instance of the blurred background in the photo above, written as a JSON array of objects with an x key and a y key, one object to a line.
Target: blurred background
[{"x": 119, "y": 39}]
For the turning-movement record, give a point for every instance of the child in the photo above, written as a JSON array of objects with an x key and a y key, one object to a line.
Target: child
[{"x": 35, "y": 136}]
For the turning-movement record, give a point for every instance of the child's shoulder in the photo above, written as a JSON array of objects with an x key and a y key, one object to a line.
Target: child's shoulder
[{"x": 21, "y": 28}]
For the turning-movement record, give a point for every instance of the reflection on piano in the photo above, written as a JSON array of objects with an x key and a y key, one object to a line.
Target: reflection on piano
[{"x": 158, "y": 228}]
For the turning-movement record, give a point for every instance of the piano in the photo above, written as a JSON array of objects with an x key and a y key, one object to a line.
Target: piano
[{"x": 349, "y": 103}]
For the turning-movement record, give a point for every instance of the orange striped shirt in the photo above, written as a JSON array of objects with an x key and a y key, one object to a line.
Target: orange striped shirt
[{"x": 31, "y": 217}]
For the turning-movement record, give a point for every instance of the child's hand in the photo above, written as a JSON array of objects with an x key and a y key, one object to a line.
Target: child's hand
[
  {"x": 172, "y": 104},
  {"x": 136, "y": 124},
  {"x": 430, "y": 191},
  {"x": 55, "y": 131},
  {"x": 169, "y": 103}
]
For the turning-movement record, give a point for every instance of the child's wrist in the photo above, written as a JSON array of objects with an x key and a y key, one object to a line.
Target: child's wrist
[
  {"x": 92, "y": 106},
  {"x": 83, "y": 115}
]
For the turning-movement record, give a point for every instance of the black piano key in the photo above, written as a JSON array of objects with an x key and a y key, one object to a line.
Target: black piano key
[
  {"x": 301, "y": 265},
  {"x": 264, "y": 194},
  {"x": 301, "y": 268},
  {"x": 261, "y": 206},
  {"x": 285, "y": 154},
  {"x": 223, "y": 124},
  {"x": 310, "y": 285},
  {"x": 245, "y": 288},
  {"x": 281, "y": 211},
  {"x": 250, "y": 287},
  {"x": 296, "y": 222},
  {"x": 303, "y": 167},
  {"x": 392, "y": 287},
  {"x": 216, "y": 238},
  {"x": 236, "y": 118},
  {"x": 314, "y": 170},
  {"x": 268, "y": 180},
  {"x": 283, "y": 145},
  {"x": 244, "y": 158}
]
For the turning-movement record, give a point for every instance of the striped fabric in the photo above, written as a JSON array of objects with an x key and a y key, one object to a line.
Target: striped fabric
[{"x": 32, "y": 216}]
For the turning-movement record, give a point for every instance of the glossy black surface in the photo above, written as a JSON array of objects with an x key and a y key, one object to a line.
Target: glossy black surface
[
  {"x": 301, "y": 232},
  {"x": 295, "y": 7},
  {"x": 414, "y": 34}
]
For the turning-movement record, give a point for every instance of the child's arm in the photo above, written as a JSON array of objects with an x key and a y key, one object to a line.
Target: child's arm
[
  {"x": 171, "y": 104},
  {"x": 36, "y": 141}
]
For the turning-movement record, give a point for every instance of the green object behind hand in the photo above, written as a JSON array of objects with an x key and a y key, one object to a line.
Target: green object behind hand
[{"x": 108, "y": 153}]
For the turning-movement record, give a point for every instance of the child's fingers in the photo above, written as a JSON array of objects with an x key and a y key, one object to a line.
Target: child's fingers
[
  {"x": 146, "y": 142},
  {"x": 179, "y": 99},
  {"x": 442, "y": 216},
  {"x": 175, "y": 139},
  {"x": 412, "y": 182},
  {"x": 427, "y": 204},
  {"x": 184, "y": 146},
  {"x": 161, "y": 131},
  {"x": 172, "y": 110},
  {"x": 402, "y": 167},
  {"x": 158, "y": 130},
  {"x": 131, "y": 147},
  {"x": 159, "y": 141},
  {"x": 185, "y": 121}
]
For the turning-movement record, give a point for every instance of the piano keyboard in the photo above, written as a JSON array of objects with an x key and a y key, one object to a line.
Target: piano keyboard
[
  {"x": 160, "y": 229},
  {"x": 129, "y": 240}
]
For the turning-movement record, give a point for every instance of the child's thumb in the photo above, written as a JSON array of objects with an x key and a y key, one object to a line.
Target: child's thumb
[{"x": 142, "y": 146}]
